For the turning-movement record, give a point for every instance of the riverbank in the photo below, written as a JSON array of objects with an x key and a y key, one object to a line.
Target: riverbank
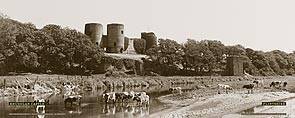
[
  {"x": 29, "y": 84},
  {"x": 207, "y": 103}
]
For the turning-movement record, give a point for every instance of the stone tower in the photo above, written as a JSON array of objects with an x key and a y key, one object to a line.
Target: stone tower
[
  {"x": 150, "y": 38},
  {"x": 235, "y": 66},
  {"x": 115, "y": 37},
  {"x": 95, "y": 32}
]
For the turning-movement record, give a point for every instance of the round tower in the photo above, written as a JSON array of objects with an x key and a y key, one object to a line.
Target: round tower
[
  {"x": 151, "y": 39},
  {"x": 94, "y": 31},
  {"x": 115, "y": 43}
]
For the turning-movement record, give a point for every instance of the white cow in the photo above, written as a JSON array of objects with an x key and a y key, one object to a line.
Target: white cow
[
  {"x": 175, "y": 90},
  {"x": 109, "y": 97},
  {"x": 142, "y": 98},
  {"x": 42, "y": 107},
  {"x": 224, "y": 87}
]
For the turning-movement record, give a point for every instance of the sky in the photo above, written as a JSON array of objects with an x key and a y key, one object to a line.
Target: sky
[{"x": 259, "y": 24}]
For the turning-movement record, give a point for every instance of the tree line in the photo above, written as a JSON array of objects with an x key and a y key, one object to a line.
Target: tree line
[
  {"x": 54, "y": 49},
  {"x": 208, "y": 57},
  {"x": 51, "y": 49}
]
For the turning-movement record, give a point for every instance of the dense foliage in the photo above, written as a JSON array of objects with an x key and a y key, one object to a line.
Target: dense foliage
[
  {"x": 52, "y": 49},
  {"x": 208, "y": 57},
  {"x": 139, "y": 45}
]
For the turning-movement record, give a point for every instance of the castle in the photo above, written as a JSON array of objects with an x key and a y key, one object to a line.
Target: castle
[{"x": 115, "y": 41}]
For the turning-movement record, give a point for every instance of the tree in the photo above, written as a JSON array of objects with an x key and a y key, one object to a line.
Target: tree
[
  {"x": 139, "y": 45},
  {"x": 166, "y": 57},
  {"x": 24, "y": 48}
]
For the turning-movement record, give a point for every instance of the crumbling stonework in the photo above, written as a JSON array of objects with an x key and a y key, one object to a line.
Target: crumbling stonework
[{"x": 235, "y": 66}]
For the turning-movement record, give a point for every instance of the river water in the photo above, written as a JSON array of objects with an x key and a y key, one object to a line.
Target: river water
[{"x": 91, "y": 106}]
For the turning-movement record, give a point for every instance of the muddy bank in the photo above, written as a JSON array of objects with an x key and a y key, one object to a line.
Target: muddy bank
[
  {"x": 205, "y": 102},
  {"x": 39, "y": 84}
]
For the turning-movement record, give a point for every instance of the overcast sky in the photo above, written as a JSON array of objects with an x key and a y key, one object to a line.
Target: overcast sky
[{"x": 259, "y": 24}]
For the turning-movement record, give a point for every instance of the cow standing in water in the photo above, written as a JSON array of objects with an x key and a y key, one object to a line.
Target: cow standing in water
[
  {"x": 107, "y": 97},
  {"x": 40, "y": 109},
  {"x": 142, "y": 98},
  {"x": 224, "y": 87}
]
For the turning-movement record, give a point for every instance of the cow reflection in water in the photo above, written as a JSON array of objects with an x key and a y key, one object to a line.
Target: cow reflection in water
[
  {"x": 40, "y": 109},
  {"x": 130, "y": 109},
  {"x": 74, "y": 109}
]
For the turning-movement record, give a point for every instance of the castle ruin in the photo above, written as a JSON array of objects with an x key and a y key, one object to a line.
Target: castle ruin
[{"x": 115, "y": 41}]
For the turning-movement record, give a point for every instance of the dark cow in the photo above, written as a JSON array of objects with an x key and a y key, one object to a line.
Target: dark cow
[
  {"x": 107, "y": 97},
  {"x": 73, "y": 99},
  {"x": 285, "y": 84},
  {"x": 276, "y": 84},
  {"x": 258, "y": 82},
  {"x": 249, "y": 87},
  {"x": 121, "y": 96}
]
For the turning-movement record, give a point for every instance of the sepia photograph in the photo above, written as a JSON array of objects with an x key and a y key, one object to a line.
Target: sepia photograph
[{"x": 147, "y": 59}]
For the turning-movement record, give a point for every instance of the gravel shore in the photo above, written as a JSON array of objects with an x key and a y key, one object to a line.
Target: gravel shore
[{"x": 206, "y": 103}]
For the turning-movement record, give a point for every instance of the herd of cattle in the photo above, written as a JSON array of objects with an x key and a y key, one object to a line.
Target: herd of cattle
[
  {"x": 141, "y": 98},
  {"x": 71, "y": 96},
  {"x": 251, "y": 86}
]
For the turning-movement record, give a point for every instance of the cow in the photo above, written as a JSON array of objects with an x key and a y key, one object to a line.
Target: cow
[
  {"x": 121, "y": 96},
  {"x": 73, "y": 99},
  {"x": 129, "y": 96},
  {"x": 249, "y": 87},
  {"x": 141, "y": 98},
  {"x": 225, "y": 87},
  {"x": 285, "y": 84},
  {"x": 258, "y": 82},
  {"x": 107, "y": 97},
  {"x": 276, "y": 84},
  {"x": 175, "y": 90},
  {"x": 42, "y": 106}
]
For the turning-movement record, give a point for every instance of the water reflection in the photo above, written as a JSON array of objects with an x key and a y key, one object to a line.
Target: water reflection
[
  {"x": 40, "y": 109},
  {"x": 91, "y": 104},
  {"x": 73, "y": 109},
  {"x": 125, "y": 109}
]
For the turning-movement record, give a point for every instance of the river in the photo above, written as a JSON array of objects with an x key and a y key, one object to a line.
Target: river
[{"x": 91, "y": 106}]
